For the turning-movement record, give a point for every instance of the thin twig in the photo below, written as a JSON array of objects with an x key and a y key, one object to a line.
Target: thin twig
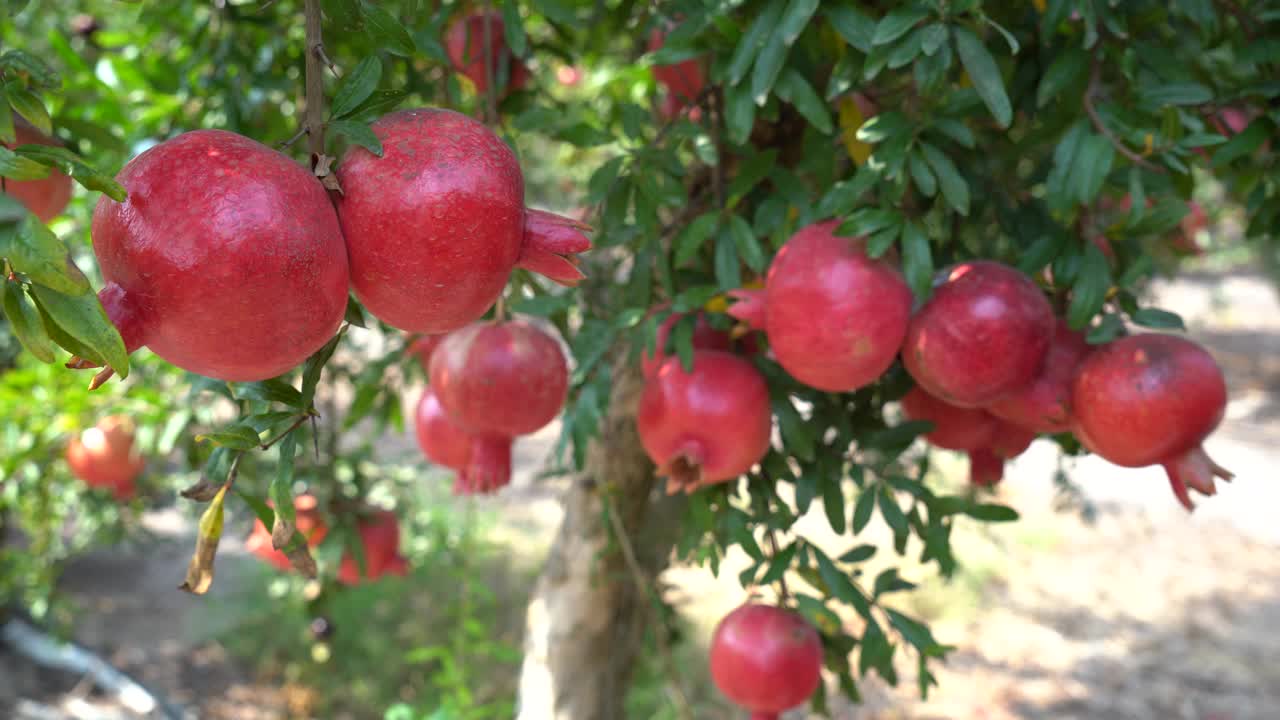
[
  {"x": 324, "y": 58},
  {"x": 296, "y": 424},
  {"x": 683, "y": 706},
  {"x": 1095, "y": 78},
  {"x": 296, "y": 136},
  {"x": 782, "y": 579},
  {"x": 500, "y": 309}
]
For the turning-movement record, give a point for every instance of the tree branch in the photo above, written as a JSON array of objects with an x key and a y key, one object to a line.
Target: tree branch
[
  {"x": 1095, "y": 78},
  {"x": 314, "y": 114}
]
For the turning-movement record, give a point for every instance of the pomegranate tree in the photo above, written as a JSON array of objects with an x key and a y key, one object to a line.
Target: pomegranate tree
[
  {"x": 835, "y": 318},
  {"x": 766, "y": 659},
  {"x": 982, "y": 335},
  {"x": 1152, "y": 399},
  {"x": 226, "y": 258},
  {"x": 705, "y": 426},
  {"x": 465, "y": 43},
  {"x": 103, "y": 456},
  {"x": 1044, "y": 404},
  {"x": 47, "y": 197},
  {"x": 435, "y": 226}
]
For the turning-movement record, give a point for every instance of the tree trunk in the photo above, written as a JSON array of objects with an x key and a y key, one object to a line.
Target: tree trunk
[{"x": 587, "y": 617}]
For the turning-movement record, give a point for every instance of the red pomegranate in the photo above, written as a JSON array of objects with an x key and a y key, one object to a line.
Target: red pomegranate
[
  {"x": 1152, "y": 399},
  {"x": 308, "y": 521},
  {"x": 685, "y": 79},
  {"x": 226, "y": 259},
  {"x": 103, "y": 456},
  {"x": 465, "y": 42},
  {"x": 483, "y": 463},
  {"x": 835, "y": 318},
  {"x": 500, "y": 378},
  {"x": 48, "y": 196},
  {"x": 766, "y": 659},
  {"x": 1044, "y": 404},
  {"x": 954, "y": 428},
  {"x": 983, "y": 335},
  {"x": 986, "y": 464},
  {"x": 705, "y": 426},
  {"x": 435, "y": 226},
  {"x": 380, "y": 539},
  {"x": 705, "y": 337}
]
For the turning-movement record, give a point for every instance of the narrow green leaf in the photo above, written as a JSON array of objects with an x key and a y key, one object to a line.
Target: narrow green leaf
[
  {"x": 1091, "y": 166},
  {"x": 985, "y": 74},
  {"x": 896, "y": 24},
  {"x": 833, "y": 503},
  {"x": 727, "y": 267},
  {"x": 513, "y": 28},
  {"x": 740, "y": 114},
  {"x": 357, "y": 132},
  {"x": 779, "y": 564},
  {"x": 388, "y": 31},
  {"x": 992, "y": 513},
  {"x": 281, "y": 489},
  {"x": 1242, "y": 144},
  {"x": 793, "y": 88},
  {"x": 24, "y": 321},
  {"x": 36, "y": 252},
  {"x": 81, "y": 171},
  {"x": 932, "y": 38},
  {"x": 1043, "y": 251},
  {"x": 236, "y": 437},
  {"x": 17, "y": 167},
  {"x": 748, "y": 245},
  {"x": 1090, "y": 288},
  {"x": 954, "y": 187},
  {"x": 889, "y": 509},
  {"x": 1159, "y": 319},
  {"x": 82, "y": 319},
  {"x": 7, "y": 133},
  {"x": 30, "y": 106},
  {"x": 863, "y": 508},
  {"x": 753, "y": 40},
  {"x": 356, "y": 87},
  {"x": 315, "y": 365},
  {"x": 921, "y": 175},
  {"x": 957, "y": 131},
  {"x": 795, "y": 19},
  {"x": 694, "y": 236},
  {"x": 860, "y": 553},
  {"x": 857, "y": 28},
  {"x": 1066, "y": 69},
  {"x": 273, "y": 390},
  {"x": 917, "y": 259},
  {"x": 1175, "y": 94}
]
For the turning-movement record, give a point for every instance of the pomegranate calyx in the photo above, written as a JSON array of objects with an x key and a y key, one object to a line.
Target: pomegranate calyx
[
  {"x": 749, "y": 308},
  {"x": 684, "y": 471},
  {"x": 986, "y": 468},
  {"x": 489, "y": 468},
  {"x": 1194, "y": 470},
  {"x": 550, "y": 243}
]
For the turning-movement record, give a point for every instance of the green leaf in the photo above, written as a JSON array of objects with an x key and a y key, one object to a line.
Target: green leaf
[
  {"x": 857, "y": 28},
  {"x": 991, "y": 513},
  {"x": 728, "y": 269},
  {"x": 893, "y": 514},
  {"x": 81, "y": 171},
  {"x": 896, "y": 24},
  {"x": 694, "y": 236},
  {"x": 314, "y": 366},
  {"x": 33, "y": 250},
  {"x": 863, "y": 508},
  {"x": 913, "y": 631},
  {"x": 797, "y": 435},
  {"x": 957, "y": 131},
  {"x": 30, "y": 106},
  {"x": 21, "y": 61},
  {"x": 1243, "y": 144},
  {"x": 1066, "y": 69},
  {"x": 236, "y": 437},
  {"x": 779, "y": 564},
  {"x": 739, "y": 114},
  {"x": 513, "y": 28},
  {"x": 357, "y": 132},
  {"x": 985, "y": 75},
  {"x": 1008, "y": 36},
  {"x": 793, "y": 88},
  {"x": 387, "y": 31},
  {"x": 932, "y": 38},
  {"x": 860, "y": 553},
  {"x": 748, "y": 47},
  {"x": 80, "y": 321},
  {"x": 281, "y": 490},
  {"x": 880, "y": 242},
  {"x": 1175, "y": 94},
  {"x": 7, "y": 132},
  {"x": 1159, "y": 319},
  {"x": 866, "y": 221},
  {"x": 917, "y": 259},
  {"x": 17, "y": 167},
  {"x": 750, "y": 173},
  {"x": 1041, "y": 252},
  {"x": 356, "y": 87},
  {"x": 921, "y": 175},
  {"x": 795, "y": 19},
  {"x": 748, "y": 245},
  {"x": 379, "y": 103},
  {"x": 273, "y": 390},
  {"x": 24, "y": 321},
  {"x": 1090, "y": 288},
  {"x": 1092, "y": 164},
  {"x": 954, "y": 188}
]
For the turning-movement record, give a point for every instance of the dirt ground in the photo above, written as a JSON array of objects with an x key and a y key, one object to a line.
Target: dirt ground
[{"x": 1145, "y": 613}]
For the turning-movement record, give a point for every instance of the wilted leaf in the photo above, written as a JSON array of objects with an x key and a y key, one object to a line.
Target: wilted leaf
[{"x": 200, "y": 569}]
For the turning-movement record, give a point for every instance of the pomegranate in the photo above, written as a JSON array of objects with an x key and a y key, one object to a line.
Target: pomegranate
[
  {"x": 954, "y": 428},
  {"x": 103, "y": 456},
  {"x": 423, "y": 347},
  {"x": 986, "y": 464},
  {"x": 48, "y": 196},
  {"x": 983, "y": 335},
  {"x": 435, "y": 226},
  {"x": 684, "y": 80},
  {"x": 1044, "y": 404},
  {"x": 1152, "y": 399},
  {"x": 766, "y": 659},
  {"x": 706, "y": 426},
  {"x": 226, "y": 259},
  {"x": 380, "y": 538},
  {"x": 483, "y": 463},
  {"x": 465, "y": 44},
  {"x": 500, "y": 378},
  {"x": 705, "y": 337},
  {"x": 835, "y": 318},
  {"x": 307, "y": 520}
]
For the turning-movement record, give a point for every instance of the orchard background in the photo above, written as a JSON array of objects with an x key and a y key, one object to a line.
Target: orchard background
[{"x": 1067, "y": 139}]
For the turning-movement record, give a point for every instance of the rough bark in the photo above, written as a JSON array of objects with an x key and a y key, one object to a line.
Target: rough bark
[{"x": 587, "y": 617}]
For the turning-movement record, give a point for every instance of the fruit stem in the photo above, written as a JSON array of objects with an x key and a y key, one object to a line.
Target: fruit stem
[{"x": 500, "y": 309}]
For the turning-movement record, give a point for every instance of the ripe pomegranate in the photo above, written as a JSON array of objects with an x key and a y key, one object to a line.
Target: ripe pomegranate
[
  {"x": 465, "y": 43},
  {"x": 1044, "y": 404},
  {"x": 435, "y": 226},
  {"x": 380, "y": 539},
  {"x": 986, "y": 464},
  {"x": 766, "y": 659},
  {"x": 705, "y": 426},
  {"x": 684, "y": 80},
  {"x": 954, "y": 428},
  {"x": 1148, "y": 399},
  {"x": 226, "y": 259},
  {"x": 500, "y": 378},
  {"x": 308, "y": 521},
  {"x": 483, "y": 463},
  {"x": 48, "y": 196},
  {"x": 705, "y": 337},
  {"x": 983, "y": 335},
  {"x": 103, "y": 456},
  {"x": 835, "y": 318}
]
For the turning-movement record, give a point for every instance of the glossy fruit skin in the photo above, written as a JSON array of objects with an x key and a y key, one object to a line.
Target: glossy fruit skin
[
  {"x": 705, "y": 337},
  {"x": 684, "y": 80},
  {"x": 48, "y": 196},
  {"x": 835, "y": 318},
  {"x": 380, "y": 537},
  {"x": 1044, "y": 404},
  {"x": 982, "y": 335},
  {"x": 226, "y": 259},
  {"x": 441, "y": 440},
  {"x": 500, "y": 378},
  {"x": 766, "y": 659},
  {"x": 955, "y": 428},
  {"x": 103, "y": 456},
  {"x": 308, "y": 521},
  {"x": 706, "y": 426},
  {"x": 986, "y": 464},
  {"x": 464, "y": 43},
  {"x": 1152, "y": 399}
]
